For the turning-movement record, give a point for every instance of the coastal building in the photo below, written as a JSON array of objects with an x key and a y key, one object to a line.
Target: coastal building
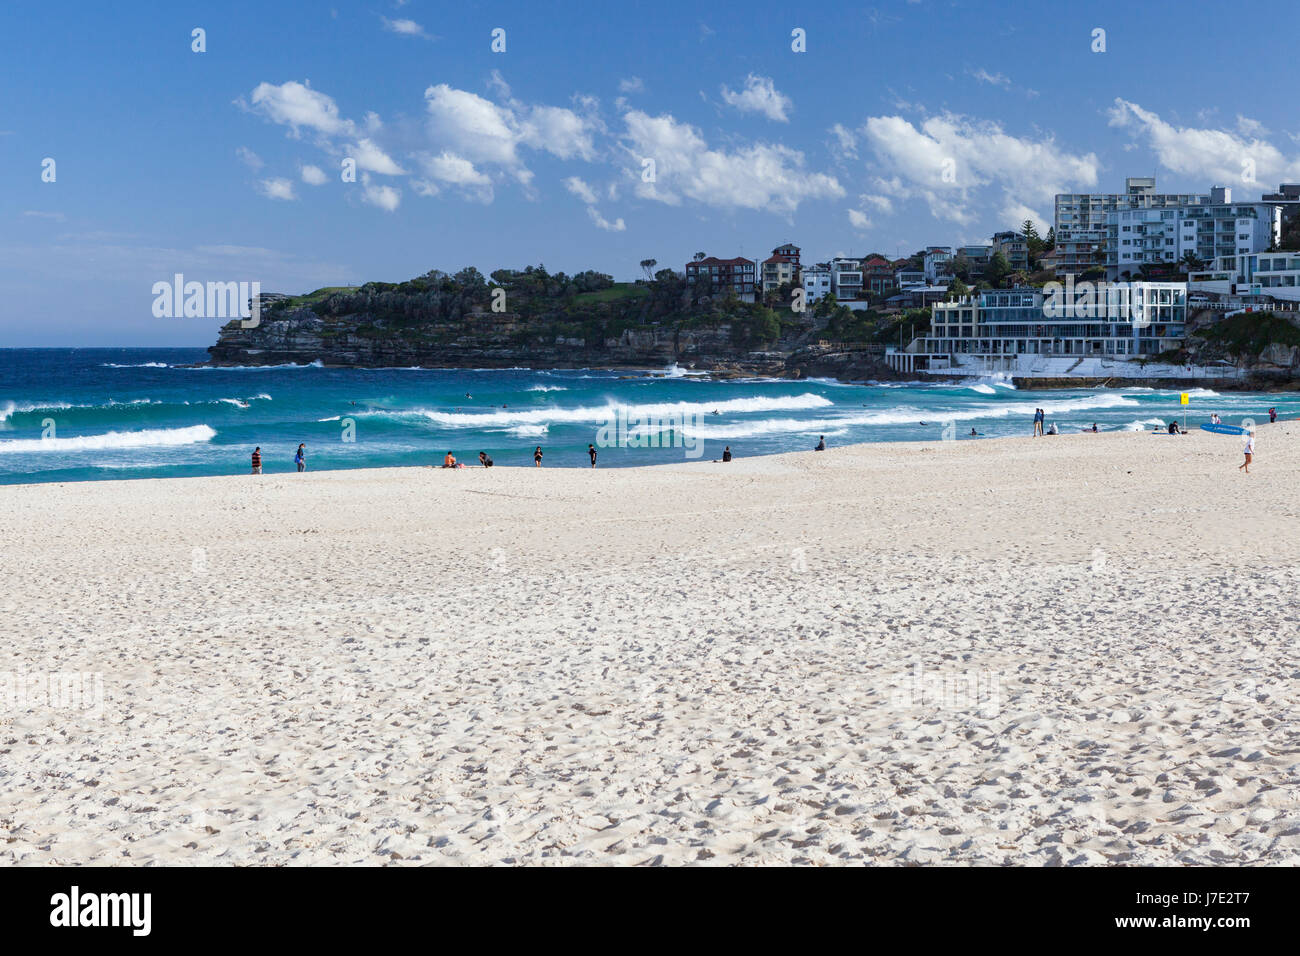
[
  {"x": 781, "y": 267},
  {"x": 937, "y": 262},
  {"x": 712, "y": 275},
  {"x": 974, "y": 259},
  {"x": 1014, "y": 248},
  {"x": 877, "y": 275},
  {"x": 1288, "y": 197},
  {"x": 996, "y": 329},
  {"x": 907, "y": 277},
  {"x": 1080, "y": 223},
  {"x": 816, "y": 283},
  {"x": 1270, "y": 275},
  {"x": 846, "y": 278},
  {"x": 1152, "y": 237}
]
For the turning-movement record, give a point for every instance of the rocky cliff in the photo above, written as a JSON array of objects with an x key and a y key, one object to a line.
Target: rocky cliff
[{"x": 481, "y": 340}]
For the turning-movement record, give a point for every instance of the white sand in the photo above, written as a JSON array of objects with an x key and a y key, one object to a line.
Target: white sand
[{"x": 699, "y": 662}]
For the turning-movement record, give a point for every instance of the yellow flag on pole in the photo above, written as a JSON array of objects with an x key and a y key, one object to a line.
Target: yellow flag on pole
[{"x": 1184, "y": 399}]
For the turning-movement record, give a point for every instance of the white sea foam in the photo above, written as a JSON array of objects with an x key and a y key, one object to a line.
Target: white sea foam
[
  {"x": 141, "y": 439},
  {"x": 547, "y": 388},
  {"x": 513, "y": 418},
  {"x": 138, "y": 365},
  {"x": 529, "y": 431}
]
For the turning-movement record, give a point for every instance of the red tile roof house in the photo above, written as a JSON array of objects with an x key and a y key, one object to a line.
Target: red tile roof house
[{"x": 781, "y": 266}]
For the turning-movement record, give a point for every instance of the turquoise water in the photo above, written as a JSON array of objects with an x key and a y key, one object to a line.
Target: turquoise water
[{"x": 77, "y": 414}]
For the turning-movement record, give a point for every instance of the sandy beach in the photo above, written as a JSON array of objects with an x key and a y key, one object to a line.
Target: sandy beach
[{"x": 1069, "y": 650}]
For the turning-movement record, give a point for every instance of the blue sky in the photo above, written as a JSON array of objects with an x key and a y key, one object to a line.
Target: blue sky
[{"x": 225, "y": 165}]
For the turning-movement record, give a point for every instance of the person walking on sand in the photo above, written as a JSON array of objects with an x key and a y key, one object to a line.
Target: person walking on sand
[
  {"x": 537, "y": 457},
  {"x": 1249, "y": 451},
  {"x": 300, "y": 459},
  {"x": 257, "y": 460},
  {"x": 591, "y": 450}
]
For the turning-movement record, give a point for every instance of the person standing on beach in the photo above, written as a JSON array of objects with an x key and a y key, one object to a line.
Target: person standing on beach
[
  {"x": 257, "y": 460},
  {"x": 591, "y": 450},
  {"x": 300, "y": 459},
  {"x": 537, "y": 457},
  {"x": 1039, "y": 415},
  {"x": 1249, "y": 451},
  {"x": 1272, "y": 415}
]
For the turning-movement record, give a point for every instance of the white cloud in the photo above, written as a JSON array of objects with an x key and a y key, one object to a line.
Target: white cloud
[
  {"x": 40, "y": 214},
  {"x": 385, "y": 197},
  {"x": 249, "y": 158},
  {"x": 277, "y": 188},
  {"x": 951, "y": 162},
  {"x": 371, "y": 157},
  {"x": 883, "y": 203},
  {"x": 759, "y": 176},
  {"x": 616, "y": 226},
  {"x": 858, "y": 219},
  {"x": 633, "y": 84},
  {"x": 580, "y": 189},
  {"x": 475, "y": 127},
  {"x": 406, "y": 28},
  {"x": 313, "y": 176},
  {"x": 297, "y": 105},
  {"x": 1214, "y": 155},
  {"x": 492, "y": 134},
  {"x": 846, "y": 143},
  {"x": 994, "y": 79},
  {"x": 760, "y": 95}
]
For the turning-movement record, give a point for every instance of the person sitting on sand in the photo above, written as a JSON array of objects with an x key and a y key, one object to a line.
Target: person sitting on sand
[
  {"x": 1052, "y": 429},
  {"x": 1094, "y": 428},
  {"x": 974, "y": 433},
  {"x": 449, "y": 461},
  {"x": 821, "y": 443},
  {"x": 484, "y": 460},
  {"x": 726, "y": 453}
]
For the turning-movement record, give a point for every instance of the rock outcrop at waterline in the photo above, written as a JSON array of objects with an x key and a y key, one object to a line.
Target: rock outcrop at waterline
[{"x": 480, "y": 340}]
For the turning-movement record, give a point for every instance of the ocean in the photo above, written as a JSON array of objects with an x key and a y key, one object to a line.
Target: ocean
[{"x": 81, "y": 414}]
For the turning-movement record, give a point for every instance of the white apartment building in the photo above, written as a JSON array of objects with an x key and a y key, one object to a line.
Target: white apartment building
[
  {"x": 1121, "y": 321},
  {"x": 1137, "y": 237},
  {"x": 846, "y": 278},
  {"x": 816, "y": 283},
  {"x": 1080, "y": 222},
  {"x": 938, "y": 262},
  {"x": 1272, "y": 274}
]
